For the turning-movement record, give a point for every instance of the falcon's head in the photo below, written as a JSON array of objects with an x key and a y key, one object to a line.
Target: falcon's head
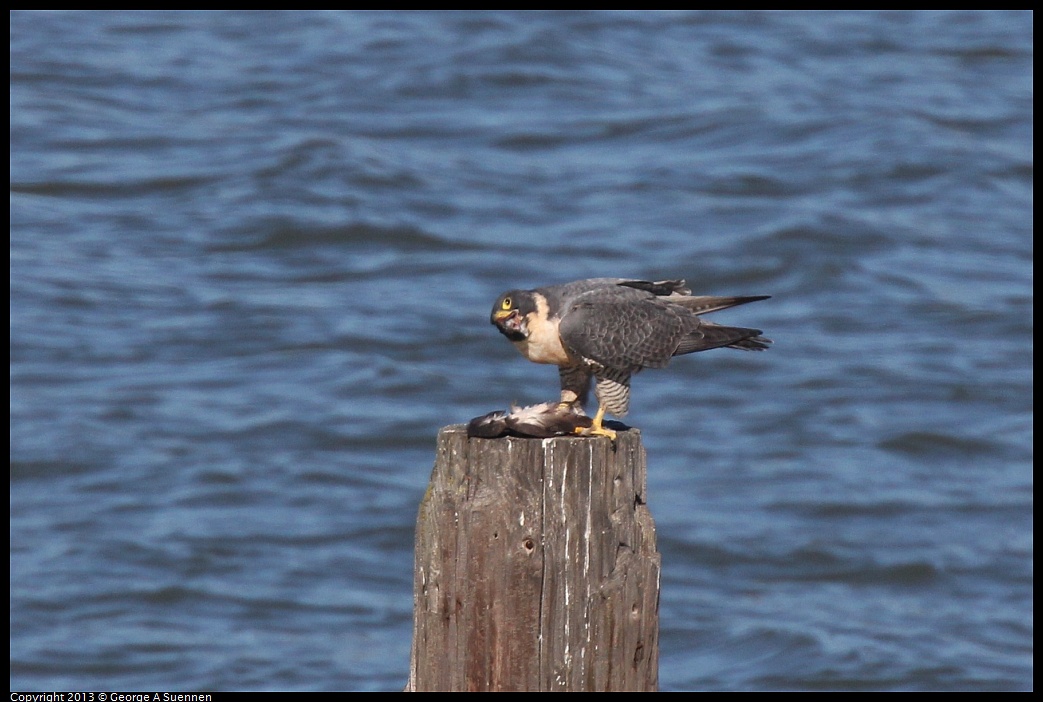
[{"x": 511, "y": 314}]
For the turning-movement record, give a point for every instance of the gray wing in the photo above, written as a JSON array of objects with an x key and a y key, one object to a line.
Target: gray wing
[
  {"x": 626, "y": 334},
  {"x": 560, "y": 297},
  {"x": 631, "y": 334}
]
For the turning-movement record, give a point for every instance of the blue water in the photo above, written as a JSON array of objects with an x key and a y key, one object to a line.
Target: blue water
[{"x": 252, "y": 261}]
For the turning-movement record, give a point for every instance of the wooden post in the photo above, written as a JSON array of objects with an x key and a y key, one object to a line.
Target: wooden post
[{"x": 536, "y": 567}]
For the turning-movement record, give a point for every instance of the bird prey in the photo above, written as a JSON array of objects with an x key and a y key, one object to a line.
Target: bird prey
[
  {"x": 536, "y": 421},
  {"x": 611, "y": 328}
]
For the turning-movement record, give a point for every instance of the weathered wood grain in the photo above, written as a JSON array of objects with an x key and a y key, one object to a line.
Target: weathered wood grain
[{"x": 536, "y": 567}]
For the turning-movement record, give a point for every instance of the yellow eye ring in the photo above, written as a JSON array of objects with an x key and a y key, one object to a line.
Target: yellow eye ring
[{"x": 506, "y": 304}]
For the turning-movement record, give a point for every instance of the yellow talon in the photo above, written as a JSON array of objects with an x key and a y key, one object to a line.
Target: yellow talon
[{"x": 596, "y": 429}]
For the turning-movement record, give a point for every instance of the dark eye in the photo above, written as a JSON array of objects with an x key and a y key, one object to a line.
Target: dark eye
[{"x": 506, "y": 304}]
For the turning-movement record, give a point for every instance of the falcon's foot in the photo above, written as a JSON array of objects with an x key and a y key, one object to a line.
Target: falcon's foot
[{"x": 596, "y": 429}]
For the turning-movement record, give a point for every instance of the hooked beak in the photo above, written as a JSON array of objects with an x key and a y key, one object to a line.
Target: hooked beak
[{"x": 510, "y": 323}]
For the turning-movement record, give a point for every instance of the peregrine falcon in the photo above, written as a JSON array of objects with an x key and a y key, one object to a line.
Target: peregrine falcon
[{"x": 611, "y": 328}]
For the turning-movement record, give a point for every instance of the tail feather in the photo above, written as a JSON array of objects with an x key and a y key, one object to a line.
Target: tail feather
[
  {"x": 754, "y": 343},
  {"x": 704, "y": 304},
  {"x": 714, "y": 336}
]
